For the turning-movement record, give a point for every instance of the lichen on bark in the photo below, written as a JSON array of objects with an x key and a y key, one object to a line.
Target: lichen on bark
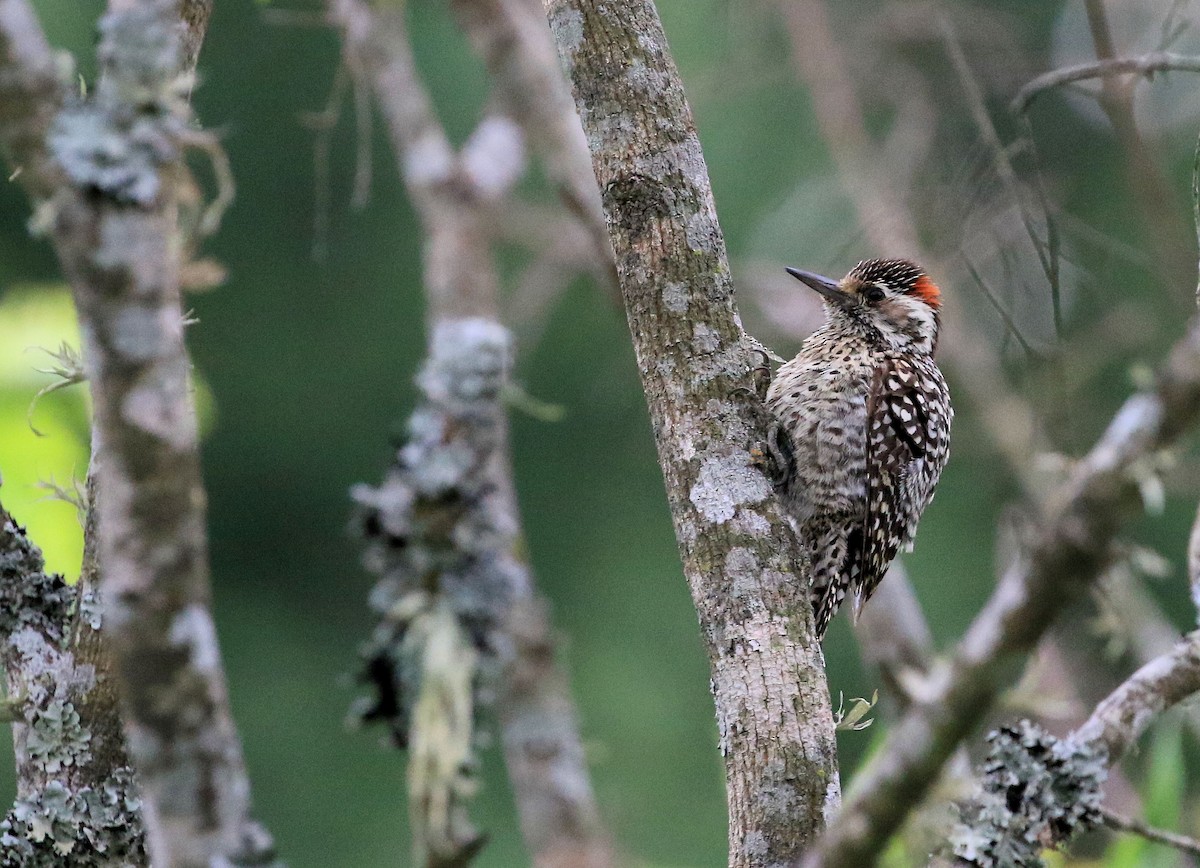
[
  {"x": 77, "y": 798},
  {"x": 116, "y": 227},
  {"x": 746, "y": 571}
]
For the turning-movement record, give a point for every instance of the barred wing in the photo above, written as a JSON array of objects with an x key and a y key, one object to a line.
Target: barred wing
[{"x": 908, "y": 442}]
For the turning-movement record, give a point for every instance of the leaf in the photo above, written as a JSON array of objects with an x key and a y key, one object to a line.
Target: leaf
[{"x": 853, "y": 720}]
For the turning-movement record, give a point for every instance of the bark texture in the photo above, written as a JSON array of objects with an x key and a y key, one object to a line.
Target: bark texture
[
  {"x": 77, "y": 799},
  {"x": 112, "y": 215},
  {"x": 1120, "y": 719},
  {"x": 443, "y": 528},
  {"x": 747, "y": 574}
]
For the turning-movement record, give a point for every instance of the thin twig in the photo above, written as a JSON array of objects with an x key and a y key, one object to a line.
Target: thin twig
[
  {"x": 1047, "y": 256},
  {"x": 1004, "y": 315},
  {"x": 294, "y": 18},
  {"x": 322, "y": 123},
  {"x": 1147, "y": 65},
  {"x": 1196, "y": 207},
  {"x": 1121, "y": 823}
]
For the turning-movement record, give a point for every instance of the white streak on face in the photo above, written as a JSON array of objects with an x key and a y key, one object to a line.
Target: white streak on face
[{"x": 906, "y": 322}]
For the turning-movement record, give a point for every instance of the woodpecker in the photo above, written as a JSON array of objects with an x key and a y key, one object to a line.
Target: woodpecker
[{"x": 867, "y": 413}]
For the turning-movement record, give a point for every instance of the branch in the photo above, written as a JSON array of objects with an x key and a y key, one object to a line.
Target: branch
[
  {"x": 195, "y": 15},
  {"x": 1071, "y": 549},
  {"x": 1039, "y": 791},
  {"x": 512, "y": 38},
  {"x": 1193, "y": 561},
  {"x": 76, "y": 793},
  {"x": 1167, "y": 235},
  {"x": 1120, "y": 719},
  {"x": 30, "y": 96},
  {"x": 743, "y": 565},
  {"x": 1147, "y": 65},
  {"x": 560, "y": 820},
  {"x": 461, "y": 529},
  {"x": 894, "y": 637},
  {"x": 1121, "y": 823},
  {"x": 114, "y": 225}
]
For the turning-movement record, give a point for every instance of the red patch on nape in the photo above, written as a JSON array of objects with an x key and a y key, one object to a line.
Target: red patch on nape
[{"x": 926, "y": 290}]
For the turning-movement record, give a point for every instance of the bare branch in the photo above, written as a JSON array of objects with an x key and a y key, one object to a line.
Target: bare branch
[
  {"x": 1071, "y": 549},
  {"x": 1124, "y": 715},
  {"x": 895, "y": 638},
  {"x": 30, "y": 95},
  {"x": 1121, "y": 823},
  {"x": 459, "y": 276},
  {"x": 1146, "y": 64},
  {"x": 1193, "y": 561},
  {"x": 195, "y": 15},
  {"x": 512, "y": 38},
  {"x": 746, "y": 572},
  {"x": 560, "y": 821}
]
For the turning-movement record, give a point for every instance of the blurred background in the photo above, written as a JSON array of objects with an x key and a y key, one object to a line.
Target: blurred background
[{"x": 1063, "y": 243}]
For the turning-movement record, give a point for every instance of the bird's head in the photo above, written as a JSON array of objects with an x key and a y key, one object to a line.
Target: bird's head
[{"x": 892, "y": 298}]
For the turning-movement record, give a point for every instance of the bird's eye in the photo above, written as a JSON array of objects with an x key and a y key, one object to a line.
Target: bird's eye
[{"x": 873, "y": 294}]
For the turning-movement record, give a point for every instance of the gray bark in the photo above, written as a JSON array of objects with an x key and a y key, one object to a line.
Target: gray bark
[
  {"x": 450, "y": 495},
  {"x": 747, "y": 574},
  {"x": 107, "y": 193},
  {"x": 77, "y": 797},
  {"x": 1121, "y": 718}
]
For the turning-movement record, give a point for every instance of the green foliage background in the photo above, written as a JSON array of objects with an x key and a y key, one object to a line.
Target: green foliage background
[{"x": 309, "y": 365}]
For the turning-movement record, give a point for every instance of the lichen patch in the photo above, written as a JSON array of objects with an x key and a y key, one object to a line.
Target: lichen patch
[{"x": 726, "y": 482}]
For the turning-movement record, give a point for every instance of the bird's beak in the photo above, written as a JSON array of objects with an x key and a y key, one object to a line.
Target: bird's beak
[{"x": 823, "y": 285}]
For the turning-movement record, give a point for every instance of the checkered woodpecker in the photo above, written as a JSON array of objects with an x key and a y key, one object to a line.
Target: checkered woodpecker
[{"x": 868, "y": 416}]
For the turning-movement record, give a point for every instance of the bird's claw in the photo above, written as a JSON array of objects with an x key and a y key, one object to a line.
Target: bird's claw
[
  {"x": 775, "y": 457},
  {"x": 761, "y": 373}
]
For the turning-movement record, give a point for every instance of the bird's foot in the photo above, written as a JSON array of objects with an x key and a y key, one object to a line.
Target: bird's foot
[
  {"x": 775, "y": 457},
  {"x": 760, "y": 374}
]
